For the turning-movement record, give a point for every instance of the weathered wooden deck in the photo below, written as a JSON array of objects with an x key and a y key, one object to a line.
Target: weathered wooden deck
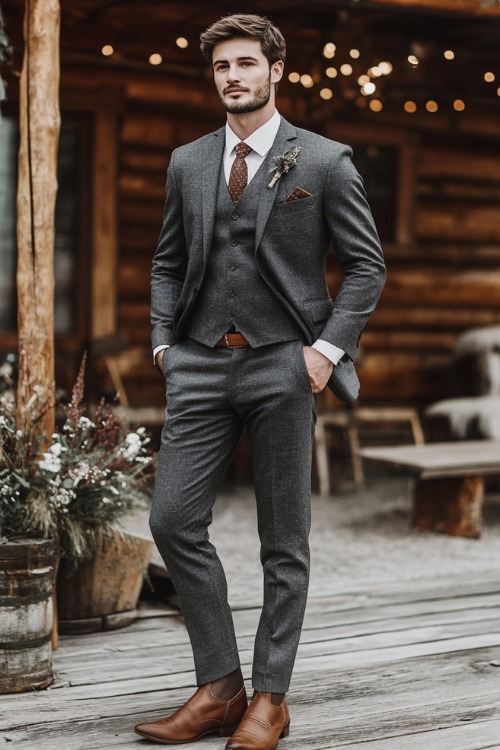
[{"x": 400, "y": 667}]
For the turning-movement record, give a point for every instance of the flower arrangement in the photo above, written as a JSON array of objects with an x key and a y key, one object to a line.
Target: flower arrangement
[
  {"x": 283, "y": 163},
  {"x": 92, "y": 473}
]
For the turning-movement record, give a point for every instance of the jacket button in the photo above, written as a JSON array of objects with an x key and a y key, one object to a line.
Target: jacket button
[
  {"x": 234, "y": 243},
  {"x": 235, "y": 216}
]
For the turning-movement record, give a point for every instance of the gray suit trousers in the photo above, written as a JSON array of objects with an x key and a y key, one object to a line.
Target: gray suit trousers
[{"x": 212, "y": 395}]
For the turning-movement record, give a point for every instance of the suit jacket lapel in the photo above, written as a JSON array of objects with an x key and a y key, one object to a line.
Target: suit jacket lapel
[
  {"x": 210, "y": 180},
  {"x": 283, "y": 142}
]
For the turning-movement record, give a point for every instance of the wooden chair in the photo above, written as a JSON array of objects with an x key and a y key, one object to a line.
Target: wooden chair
[
  {"x": 118, "y": 364},
  {"x": 349, "y": 421}
]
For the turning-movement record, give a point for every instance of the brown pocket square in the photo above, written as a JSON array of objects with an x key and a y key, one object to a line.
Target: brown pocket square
[{"x": 297, "y": 193}]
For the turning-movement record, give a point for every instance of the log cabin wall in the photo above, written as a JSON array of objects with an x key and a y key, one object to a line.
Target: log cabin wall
[{"x": 443, "y": 261}]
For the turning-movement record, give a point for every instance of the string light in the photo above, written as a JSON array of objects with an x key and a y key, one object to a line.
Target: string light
[
  {"x": 498, "y": 91},
  {"x": 376, "y": 105},
  {"x": 431, "y": 106},
  {"x": 326, "y": 93},
  {"x": 413, "y": 60},
  {"x": 155, "y": 59},
  {"x": 385, "y": 68},
  {"x": 107, "y": 50},
  {"x": 410, "y": 107},
  {"x": 449, "y": 54},
  {"x": 375, "y": 72},
  {"x": 331, "y": 72},
  {"x": 306, "y": 80},
  {"x": 459, "y": 105},
  {"x": 368, "y": 88},
  {"x": 354, "y": 53},
  {"x": 489, "y": 77},
  {"x": 363, "y": 79},
  {"x": 182, "y": 42},
  {"x": 329, "y": 50},
  {"x": 346, "y": 69},
  {"x": 294, "y": 77}
]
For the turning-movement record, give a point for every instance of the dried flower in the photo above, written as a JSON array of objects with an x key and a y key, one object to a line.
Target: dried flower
[{"x": 283, "y": 163}]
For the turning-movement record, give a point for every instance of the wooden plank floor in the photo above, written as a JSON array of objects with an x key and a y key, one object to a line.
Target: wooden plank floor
[{"x": 400, "y": 667}]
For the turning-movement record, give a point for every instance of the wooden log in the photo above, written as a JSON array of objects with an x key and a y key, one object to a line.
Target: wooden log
[
  {"x": 36, "y": 196},
  {"x": 449, "y": 505},
  {"x": 474, "y": 7},
  {"x": 104, "y": 225},
  {"x": 445, "y": 162},
  {"x": 455, "y": 287},
  {"x": 457, "y": 221}
]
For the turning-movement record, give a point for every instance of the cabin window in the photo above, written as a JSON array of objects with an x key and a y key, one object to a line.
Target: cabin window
[
  {"x": 378, "y": 165},
  {"x": 67, "y": 225}
]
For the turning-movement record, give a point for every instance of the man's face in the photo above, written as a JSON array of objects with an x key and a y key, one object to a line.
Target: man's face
[{"x": 242, "y": 75}]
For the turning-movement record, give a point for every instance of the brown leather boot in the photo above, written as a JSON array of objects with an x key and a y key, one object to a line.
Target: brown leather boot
[
  {"x": 202, "y": 714},
  {"x": 262, "y": 726}
]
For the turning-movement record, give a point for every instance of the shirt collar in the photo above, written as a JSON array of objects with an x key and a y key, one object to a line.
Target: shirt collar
[{"x": 261, "y": 139}]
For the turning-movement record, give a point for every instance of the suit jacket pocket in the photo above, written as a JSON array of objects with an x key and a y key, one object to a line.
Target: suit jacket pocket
[
  {"x": 288, "y": 208},
  {"x": 317, "y": 310}
]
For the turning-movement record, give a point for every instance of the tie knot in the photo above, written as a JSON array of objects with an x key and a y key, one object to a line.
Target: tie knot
[{"x": 242, "y": 150}]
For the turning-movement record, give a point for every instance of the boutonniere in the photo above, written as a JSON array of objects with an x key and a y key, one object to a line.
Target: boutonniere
[{"x": 283, "y": 163}]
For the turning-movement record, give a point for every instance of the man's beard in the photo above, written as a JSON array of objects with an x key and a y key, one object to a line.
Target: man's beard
[{"x": 258, "y": 101}]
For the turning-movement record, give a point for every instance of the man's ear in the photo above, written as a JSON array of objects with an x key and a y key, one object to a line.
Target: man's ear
[{"x": 277, "y": 69}]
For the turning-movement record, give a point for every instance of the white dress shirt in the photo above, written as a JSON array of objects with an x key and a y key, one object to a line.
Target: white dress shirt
[{"x": 261, "y": 142}]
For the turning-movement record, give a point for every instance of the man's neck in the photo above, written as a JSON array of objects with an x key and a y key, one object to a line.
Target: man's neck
[{"x": 246, "y": 124}]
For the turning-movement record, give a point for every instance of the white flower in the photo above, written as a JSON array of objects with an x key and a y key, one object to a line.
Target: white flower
[
  {"x": 50, "y": 463},
  {"x": 84, "y": 422},
  {"x": 133, "y": 445},
  {"x": 56, "y": 449}
]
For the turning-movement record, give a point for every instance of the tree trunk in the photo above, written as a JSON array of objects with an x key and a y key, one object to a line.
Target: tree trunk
[{"x": 36, "y": 196}]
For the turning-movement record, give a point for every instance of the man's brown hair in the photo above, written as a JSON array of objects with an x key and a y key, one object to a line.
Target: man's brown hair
[{"x": 247, "y": 26}]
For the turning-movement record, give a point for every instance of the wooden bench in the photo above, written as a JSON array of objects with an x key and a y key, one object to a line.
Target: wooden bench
[{"x": 449, "y": 488}]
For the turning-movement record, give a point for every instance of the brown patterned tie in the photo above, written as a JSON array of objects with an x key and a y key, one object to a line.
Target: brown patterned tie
[{"x": 239, "y": 173}]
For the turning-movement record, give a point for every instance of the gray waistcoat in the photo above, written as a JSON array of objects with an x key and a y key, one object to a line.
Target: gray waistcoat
[{"x": 233, "y": 292}]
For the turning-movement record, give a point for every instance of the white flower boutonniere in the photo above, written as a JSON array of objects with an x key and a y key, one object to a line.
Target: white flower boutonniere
[{"x": 283, "y": 163}]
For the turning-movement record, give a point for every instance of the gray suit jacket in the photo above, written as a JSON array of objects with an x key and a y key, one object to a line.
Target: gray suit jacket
[{"x": 291, "y": 241}]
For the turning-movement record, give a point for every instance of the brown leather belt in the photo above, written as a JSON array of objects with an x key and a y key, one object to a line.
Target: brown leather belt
[{"x": 232, "y": 339}]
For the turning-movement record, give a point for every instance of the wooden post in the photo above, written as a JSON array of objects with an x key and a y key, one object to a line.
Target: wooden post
[{"x": 37, "y": 187}]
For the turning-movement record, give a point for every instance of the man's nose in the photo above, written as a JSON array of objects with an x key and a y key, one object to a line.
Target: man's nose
[{"x": 232, "y": 74}]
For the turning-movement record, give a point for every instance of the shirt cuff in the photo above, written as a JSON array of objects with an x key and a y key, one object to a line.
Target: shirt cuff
[
  {"x": 159, "y": 349},
  {"x": 330, "y": 351}
]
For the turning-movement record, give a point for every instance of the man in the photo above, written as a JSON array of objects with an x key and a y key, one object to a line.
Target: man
[{"x": 246, "y": 333}]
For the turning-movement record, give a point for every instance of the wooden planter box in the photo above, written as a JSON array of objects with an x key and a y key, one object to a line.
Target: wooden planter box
[{"x": 102, "y": 593}]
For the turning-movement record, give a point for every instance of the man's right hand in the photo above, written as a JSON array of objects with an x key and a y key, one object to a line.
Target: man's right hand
[{"x": 159, "y": 360}]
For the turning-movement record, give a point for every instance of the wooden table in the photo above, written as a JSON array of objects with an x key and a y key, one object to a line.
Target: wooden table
[{"x": 449, "y": 489}]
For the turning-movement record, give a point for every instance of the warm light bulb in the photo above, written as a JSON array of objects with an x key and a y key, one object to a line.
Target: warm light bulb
[
  {"x": 182, "y": 42},
  {"x": 363, "y": 79},
  {"x": 489, "y": 77},
  {"x": 354, "y": 53},
  {"x": 294, "y": 77},
  {"x": 410, "y": 107},
  {"x": 375, "y": 72},
  {"x": 385, "y": 68},
  {"x": 307, "y": 81},
  {"x": 368, "y": 88},
  {"x": 459, "y": 105},
  {"x": 449, "y": 54},
  {"x": 431, "y": 106},
  {"x": 376, "y": 105},
  {"x": 107, "y": 50},
  {"x": 326, "y": 93},
  {"x": 331, "y": 72},
  {"x": 329, "y": 50},
  {"x": 346, "y": 69},
  {"x": 155, "y": 59},
  {"x": 413, "y": 60}
]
